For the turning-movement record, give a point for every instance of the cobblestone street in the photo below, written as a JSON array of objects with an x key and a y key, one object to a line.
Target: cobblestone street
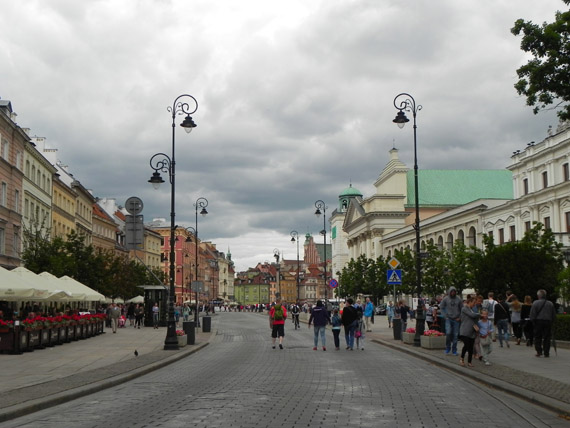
[{"x": 240, "y": 381}]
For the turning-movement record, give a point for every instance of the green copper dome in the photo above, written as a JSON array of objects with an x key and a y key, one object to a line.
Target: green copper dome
[{"x": 350, "y": 191}]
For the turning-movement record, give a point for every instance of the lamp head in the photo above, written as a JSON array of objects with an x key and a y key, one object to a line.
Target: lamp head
[
  {"x": 188, "y": 124},
  {"x": 292, "y": 239},
  {"x": 318, "y": 212},
  {"x": 156, "y": 180},
  {"x": 401, "y": 119},
  {"x": 204, "y": 212}
]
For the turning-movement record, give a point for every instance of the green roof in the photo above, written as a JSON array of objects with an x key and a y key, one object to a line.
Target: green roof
[
  {"x": 350, "y": 191},
  {"x": 442, "y": 187}
]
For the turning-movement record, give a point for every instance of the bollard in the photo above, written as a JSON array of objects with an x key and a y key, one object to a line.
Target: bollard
[
  {"x": 206, "y": 324},
  {"x": 190, "y": 330},
  {"x": 397, "y": 326}
]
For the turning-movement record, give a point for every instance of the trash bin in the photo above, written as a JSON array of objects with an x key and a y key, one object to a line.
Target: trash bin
[
  {"x": 397, "y": 326},
  {"x": 206, "y": 324},
  {"x": 190, "y": 330}
]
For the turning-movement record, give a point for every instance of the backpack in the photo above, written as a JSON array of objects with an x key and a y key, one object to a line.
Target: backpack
[{"x": 278, "y": 313}]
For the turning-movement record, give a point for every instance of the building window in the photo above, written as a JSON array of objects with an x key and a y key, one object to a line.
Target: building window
[
  {"x": 2, "y": 241},
  {"x": 490, "y": 234},
  {"x": 512, "y": 230},
  {"x": 5, "y": 149},
  {"x": 525, "y": 186},
  {"x": 526, "y": 226},
  {"x": 565, "y": 172},
  {"x": 567, "y": 215},
  {"x": 544, "y": 180},
  {"x": 17, "y": 201},
  {"x": 3, "y": 193},
  {"x": 501, "y": 236},
  {"x": 546, "y": 222}
]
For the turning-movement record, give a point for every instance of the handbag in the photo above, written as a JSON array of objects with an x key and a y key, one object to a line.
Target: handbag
[{"x": 485, "y": 341}]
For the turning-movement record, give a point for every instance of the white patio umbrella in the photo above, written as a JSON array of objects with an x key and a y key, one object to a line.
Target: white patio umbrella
[
  {"x": 75, "y": 296},
  {"x": 74, "y": 285},
  {"x": 137, "y": 299},
  {"x": 14, "y": 288},
  {"x": 55, "y": 293}
]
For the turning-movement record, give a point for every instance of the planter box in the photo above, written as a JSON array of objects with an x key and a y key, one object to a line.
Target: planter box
[
  {"x": 7, "y": 340},
  {"x": 182, "y": 340},
  {"x": 71, "y": 332},
  {"x": 34, "y": 339},
  {"x": 44, "y": 337},
  {"x": 408, "y": 337},
  {"x": 62, "y": 335},
  {"x": 23, "y": 340},
  {"x": 432, "y": 342},
  {"x": 54, "y": 336},
  {"x": 79, "y": 331}
]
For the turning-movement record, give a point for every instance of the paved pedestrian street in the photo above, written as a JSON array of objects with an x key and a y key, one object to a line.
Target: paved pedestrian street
[{"x": 240, "y": 381}]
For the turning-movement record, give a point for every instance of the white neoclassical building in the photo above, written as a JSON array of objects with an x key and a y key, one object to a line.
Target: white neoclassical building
[{"x": 457, "y": 204}]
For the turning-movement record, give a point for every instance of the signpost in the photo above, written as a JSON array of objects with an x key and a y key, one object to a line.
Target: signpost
[{"x": 394, "y": 276}]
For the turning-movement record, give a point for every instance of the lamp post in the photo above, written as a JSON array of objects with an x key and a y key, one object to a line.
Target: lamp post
[
  {"x": 321, "y": 205},
  {"x": 166, "y": 164},
  {"x": 278, "y": 288},
  {"x": 201, "y": 203},
  {"x": 188, "y": 239},
  {"x": 295, "y": 237},
  {"x": 407, "y": 103}
]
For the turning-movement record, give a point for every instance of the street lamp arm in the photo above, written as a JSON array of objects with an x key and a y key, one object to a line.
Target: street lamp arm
[
  {"x": 406, "y": 103},
  {"x": 163, "y": 163},
  {"x": 180, "y": 107}
]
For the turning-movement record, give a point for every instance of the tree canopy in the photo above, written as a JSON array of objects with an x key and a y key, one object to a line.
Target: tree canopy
[
  {"x": 104, "y": 271},
  {"x": 545, "y": 79}
]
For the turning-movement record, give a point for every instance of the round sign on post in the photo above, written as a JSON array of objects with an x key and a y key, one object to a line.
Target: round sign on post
[
  {"x": 134, "y": 205},
  {"x": 333, "y": 283}
]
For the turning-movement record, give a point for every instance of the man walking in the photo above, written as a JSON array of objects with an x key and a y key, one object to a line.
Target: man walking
[
  {"x": 368, "y": 313},
  {"x": 489, "y": 305},
  {"x": 350, "y": 321},
  {"x": 320, "y": 317},
  {"x": 114, "y": 313},
  {"x": 542, "y": 315},
  {"x": 278, "y": 315},
  {"x": 451, "y": 308}
]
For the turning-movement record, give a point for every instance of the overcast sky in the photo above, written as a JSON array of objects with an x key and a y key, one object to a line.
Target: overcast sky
[{"x": 295, "y": 99}]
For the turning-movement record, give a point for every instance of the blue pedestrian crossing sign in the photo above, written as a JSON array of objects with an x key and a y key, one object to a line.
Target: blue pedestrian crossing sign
[{"x": 394, "y": 276}]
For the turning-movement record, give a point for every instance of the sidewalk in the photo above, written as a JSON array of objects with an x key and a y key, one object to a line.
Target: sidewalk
[
  {"x": 516, "y": 370},
  {"x": 47, "y": 377}
]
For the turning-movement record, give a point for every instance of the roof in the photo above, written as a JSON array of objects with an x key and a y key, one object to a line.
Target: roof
[
  {"x": 457, "y": 187},
  {"x": 350, "y": 191}
]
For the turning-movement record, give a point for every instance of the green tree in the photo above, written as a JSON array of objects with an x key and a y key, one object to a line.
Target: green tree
[
  {"x": 408, "y": 266},
  {"x": 544, "y": 79},
  {"x": 522, "y": 267}
]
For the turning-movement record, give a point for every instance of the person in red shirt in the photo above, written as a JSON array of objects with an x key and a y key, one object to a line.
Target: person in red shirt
[{"x": 278, "y": 315}]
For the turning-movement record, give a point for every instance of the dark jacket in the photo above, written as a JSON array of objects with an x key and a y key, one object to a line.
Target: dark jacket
[
  {"x": 349, "y": 315},
  {"x": 319, "y": 316},
  {"x": 468, "y": 320},
  {"x": 502, "y": 312},
  {"x": 542, "y": 309}
]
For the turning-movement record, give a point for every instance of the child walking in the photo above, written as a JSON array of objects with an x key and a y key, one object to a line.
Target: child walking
[
  {"x": 485, "y": 330},
  {"x": 336, "y": 325}
]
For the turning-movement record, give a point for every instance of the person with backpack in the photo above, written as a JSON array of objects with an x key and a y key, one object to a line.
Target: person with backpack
[
  {"x": 489, "y": 306},
  {"x": 336, "y": 325},
  {"x": 542, "y": 315},
  {"x": 278, "y": 315}
]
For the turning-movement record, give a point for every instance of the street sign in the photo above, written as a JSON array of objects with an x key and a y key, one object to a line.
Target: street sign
[
  {"x": 394, "y": 276},
  {"x": 333, "y": 283},
  {"x": 393, "y": 263}
]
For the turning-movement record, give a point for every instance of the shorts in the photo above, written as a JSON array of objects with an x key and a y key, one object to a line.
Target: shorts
[{"x": 278, "y": 330}]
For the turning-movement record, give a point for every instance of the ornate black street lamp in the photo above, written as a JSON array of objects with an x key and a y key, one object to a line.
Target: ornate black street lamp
[
  {"x": 295, "y": 237},
  {"x": 321, "y": 205},
  {"x": 161, "y": 162},
  {"x": 407, "y": 103},
  {"x": 276, "y": 254},
  {"x": 201, "y": 203}
]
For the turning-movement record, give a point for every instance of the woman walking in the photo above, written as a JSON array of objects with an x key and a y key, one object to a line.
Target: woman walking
[
  {"x": 526, "y": 322},
  {"x": 516, "y": 308},
  {"x": 468, "y": 331}
]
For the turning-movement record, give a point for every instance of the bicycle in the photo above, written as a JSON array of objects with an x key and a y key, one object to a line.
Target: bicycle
[{"x": 296, "y": 321}]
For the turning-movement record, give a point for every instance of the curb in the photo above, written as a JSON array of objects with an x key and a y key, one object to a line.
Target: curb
[
  {"x": 35, "y": 405},
  {"x": 559, "y": 407}
]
